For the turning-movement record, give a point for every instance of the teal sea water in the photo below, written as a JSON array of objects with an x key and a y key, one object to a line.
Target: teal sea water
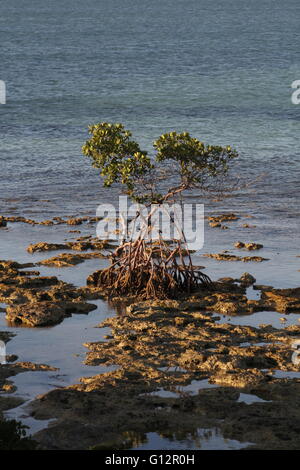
[{"x": 221, "y": 70}]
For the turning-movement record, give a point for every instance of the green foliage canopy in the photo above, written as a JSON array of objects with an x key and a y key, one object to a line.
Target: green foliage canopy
[{"x": 121, "y": 160}]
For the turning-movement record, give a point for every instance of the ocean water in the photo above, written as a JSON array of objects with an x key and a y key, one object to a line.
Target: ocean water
[{"x": 221, "y": 70}]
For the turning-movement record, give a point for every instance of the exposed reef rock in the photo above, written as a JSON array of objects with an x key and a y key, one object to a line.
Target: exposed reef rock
[
  {"x": 40, "y": 300},
  {"x": 181, "y": 365},
  {"x": 282, "y": 300},
  {"x": 247, "y": 279},
  {"x": 54, "y": 221},
  {"x": 216, "y": 221},
  {"x": 218, "y": 225},
  {"x": 229, "y": 257},
  {"x": 69, "y": 259},
  {"x": 79, "y": 245},
  {"x": 223, "y": 218},
  {"x": 168, "y": 354},
  {"x": 248, "y": 246},
  {"x": 45, "y": 313}
]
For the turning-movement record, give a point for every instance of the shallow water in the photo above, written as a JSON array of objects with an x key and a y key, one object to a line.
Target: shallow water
[
  {"x": 249, "y": 399},
  {"x": 191, "y": 389},
  {"x": 196, "y": 385},
  {"x": 60, "y": 346},
  {"x": 283, "y": 374},
  {"x": 266, "y": 345},
  {"x": 204, "y": 439},
  {"x": 222, "y": 71}
]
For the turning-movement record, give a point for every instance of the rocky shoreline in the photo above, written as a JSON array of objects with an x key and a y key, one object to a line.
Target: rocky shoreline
[
  {"x": 166, "y": 346},
  {"x": 180, "y": 364}
]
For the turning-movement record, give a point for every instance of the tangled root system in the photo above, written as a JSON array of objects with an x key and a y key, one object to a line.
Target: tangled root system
[{"x": 154, "y": 270}]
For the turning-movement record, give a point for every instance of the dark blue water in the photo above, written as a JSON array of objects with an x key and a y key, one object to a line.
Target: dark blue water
[{"x": 221, "y": 70}]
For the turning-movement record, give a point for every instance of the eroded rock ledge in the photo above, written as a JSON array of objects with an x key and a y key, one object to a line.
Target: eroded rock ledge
[
  {"x": 81, "y": 244},
  {"x": 168, "y": 346},
  {"x": 54, "y": 221},
  {"x": 35, "y": 300},
  {"x": 69, "y": 259},
  {"x": 230, "y": 257}
]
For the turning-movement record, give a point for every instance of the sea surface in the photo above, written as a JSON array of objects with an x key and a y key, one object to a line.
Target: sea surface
[{"x": 221, "y": 70}]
